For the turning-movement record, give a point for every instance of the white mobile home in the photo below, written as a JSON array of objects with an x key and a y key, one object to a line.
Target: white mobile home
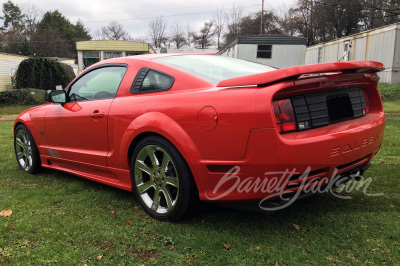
[
  {"x": 273, "y": 50},
  {"x": 8, "y": 65},
  {"x": 381, "y": 44}
]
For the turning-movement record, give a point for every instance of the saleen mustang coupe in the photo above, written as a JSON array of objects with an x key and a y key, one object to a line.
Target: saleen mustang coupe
[{"x": 178, "y": 128}]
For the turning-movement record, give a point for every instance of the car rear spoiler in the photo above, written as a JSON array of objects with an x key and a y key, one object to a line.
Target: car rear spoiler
[{"x": 295, "y": 72}]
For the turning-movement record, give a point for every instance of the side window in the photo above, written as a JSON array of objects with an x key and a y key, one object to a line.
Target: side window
[
  {"x": 149, "y": 80},
  {"x": 101, "y": 83}
]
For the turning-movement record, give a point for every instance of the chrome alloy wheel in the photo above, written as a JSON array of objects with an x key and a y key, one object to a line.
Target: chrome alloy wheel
[
  {"x": 23, "y": 149},
  {"x": 156, "y": 179}
]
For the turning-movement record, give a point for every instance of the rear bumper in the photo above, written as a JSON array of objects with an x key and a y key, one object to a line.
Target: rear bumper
[{"x": 287, "y": 163}]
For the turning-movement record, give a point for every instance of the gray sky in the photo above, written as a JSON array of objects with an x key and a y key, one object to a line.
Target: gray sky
[{"x": 136, "y": 15}]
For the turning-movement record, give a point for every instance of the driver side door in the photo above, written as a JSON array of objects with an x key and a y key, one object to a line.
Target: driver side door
[{"x": 76, "y": 131}]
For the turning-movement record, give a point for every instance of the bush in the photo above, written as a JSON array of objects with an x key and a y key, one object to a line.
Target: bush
[
  {"x": 41, "y": 73},
  {"x": 22, "y": 97},
  {"x": 389, "y": 92}
]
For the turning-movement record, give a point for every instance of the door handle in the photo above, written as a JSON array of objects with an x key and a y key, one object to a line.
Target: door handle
[{"x": 97, "y": 114}]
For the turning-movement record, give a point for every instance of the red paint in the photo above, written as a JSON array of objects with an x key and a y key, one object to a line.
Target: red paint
[{"x": 213, "y": 127}]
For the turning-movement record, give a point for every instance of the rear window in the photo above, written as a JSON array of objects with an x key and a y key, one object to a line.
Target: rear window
[{"x": 214, "y": 68}]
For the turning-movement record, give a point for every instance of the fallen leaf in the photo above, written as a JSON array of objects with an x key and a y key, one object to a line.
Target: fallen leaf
[
  {"x": 227, "y": 246},
  {"x": 100, "y": 257},
  {"x": 297, "y": 227},
  {"x": 333, "y": 260},
  {"x": 6, "y": 213}
]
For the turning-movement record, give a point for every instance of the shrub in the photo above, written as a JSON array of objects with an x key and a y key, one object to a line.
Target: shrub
[
  {"x": 41, "y": 73},
  {"x": 389, "y": 92},
  {"x": 21, "y": 97}
]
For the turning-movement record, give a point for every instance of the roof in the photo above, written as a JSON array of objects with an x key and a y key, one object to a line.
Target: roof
[
  {"x": 267, "y": 39},
  {"x": 359, "y": 34},
  {"x": 113, "y": 45}
]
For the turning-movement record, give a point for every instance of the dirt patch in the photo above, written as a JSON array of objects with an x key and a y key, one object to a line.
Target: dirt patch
[
  {"x": 145, "y": 255},
  {"x": 393, "y": 115},
  {"x": 6, "y": 119}
]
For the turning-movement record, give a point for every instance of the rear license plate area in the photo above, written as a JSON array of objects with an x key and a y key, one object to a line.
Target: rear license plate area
[{"x": 339, "y": 107}]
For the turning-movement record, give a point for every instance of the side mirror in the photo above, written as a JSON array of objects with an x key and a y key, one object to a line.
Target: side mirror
[{"x": 57, "y": 96}]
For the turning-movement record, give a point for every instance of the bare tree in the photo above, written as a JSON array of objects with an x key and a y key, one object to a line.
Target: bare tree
[
  {"x": 140, "y": 39},
  {"x": 233, "y": 19},
  {"x": 205, "y": 38},
  {"x": 115, "y": 31},
  {"x": 177, "y": 35},
  {"x": 32, "y": 17},
  {"x": 96, "y": 35},
  {"x": 189, "y": 36},
  {"x": 219, "y": 24},
  {"x": 157, "y": 31},
  {"x": 287, "y": 22}
]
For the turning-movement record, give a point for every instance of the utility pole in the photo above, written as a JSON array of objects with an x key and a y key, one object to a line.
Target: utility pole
[{"x": 262, "y": 16}]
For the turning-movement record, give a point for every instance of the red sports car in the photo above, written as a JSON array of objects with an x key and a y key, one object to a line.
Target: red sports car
[{"x": 175, "y": 129}]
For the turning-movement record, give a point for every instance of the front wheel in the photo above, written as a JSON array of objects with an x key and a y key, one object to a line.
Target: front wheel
[
  {"x": 26, "y": 152},
  {"x": 161, "y": 180}
]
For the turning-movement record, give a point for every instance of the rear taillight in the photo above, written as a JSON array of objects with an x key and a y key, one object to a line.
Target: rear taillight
[
  {"x": 366, "y": 109},
  {"x": 284, "y": 115}
]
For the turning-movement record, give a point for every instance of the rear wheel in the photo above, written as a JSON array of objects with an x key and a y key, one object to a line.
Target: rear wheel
[
  {"x": 26, "y": 152},
  {"x": 161, "y": 180}
]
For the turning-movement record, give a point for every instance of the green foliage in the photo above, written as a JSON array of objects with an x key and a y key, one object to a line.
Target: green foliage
[
  {"x": 41, "y": 73},
  {"x": 18, "y": 97},
  {"x": 25, "y": 48},
  {"x": 57, "y": 30},
  {"x": 12, "y": 15},
  {"x": 389, "y": 92}
]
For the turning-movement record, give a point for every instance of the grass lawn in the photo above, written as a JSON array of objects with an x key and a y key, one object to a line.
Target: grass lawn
[
  {"x": 60, "y": 218},
  {"x": 13, "y": 111}
]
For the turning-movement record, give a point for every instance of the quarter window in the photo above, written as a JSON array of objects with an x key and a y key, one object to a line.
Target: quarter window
[
  {"x": 149, "y": 80},
  {"x": 101, "y": 83},
  {"x": 264, "y": 51}
]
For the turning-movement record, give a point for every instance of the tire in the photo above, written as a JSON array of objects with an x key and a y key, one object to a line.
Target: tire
[
  {"x": 25, "y": 149},
  {"x": 162, "y": 181}
]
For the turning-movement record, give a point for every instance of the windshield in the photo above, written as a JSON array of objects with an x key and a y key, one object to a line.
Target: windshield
[{"x": 214, "y": 68}]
